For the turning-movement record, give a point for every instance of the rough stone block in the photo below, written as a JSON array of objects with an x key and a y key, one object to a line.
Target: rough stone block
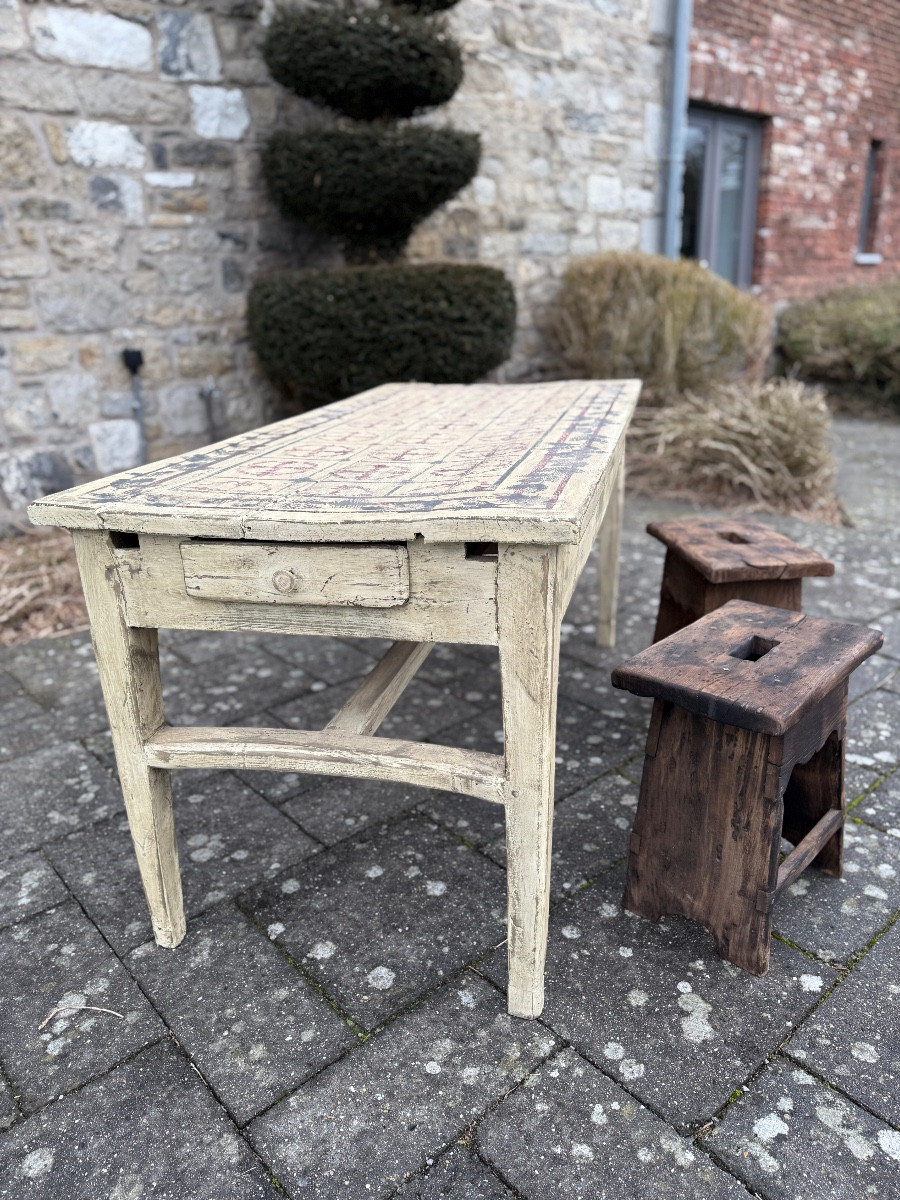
[
  {"x": 187, "y": 47},
  {"x": 58, "y": 960},
  {"x": 104, "y": 144},
  {"x": 836, "y": 918},
  {"x": 73, "y": 247},
  {"x": 150, "y": 1128},
  {"x": 89, "y": 302},
  {"x": 142, "y": 102},
  {"x": 50, "y": 792},
  {"x": 788, "y": 1135},
  {"x": 386, "y": 917},
  {"x": 219, "y": 113},
  {"x": 228, "y": 839},
  {"x": 120, "y": 194},
  {"x": 20, "y": 157},
  {"x": 249, "y": 1020},
  {"x": 13, "y": 35},
  {"x": 37, "y": 87},
  {"x": 23, "y": 264},
  {"x": 116, "y": 444},
  {"x": 853, "y": 1038},
  {"x": 571, "y": 1131},
  {"x": 91, "y": 39},
  {"x": 366, "y": 1123},
  {"x": 655, "y": 1007},
  {"x": 28, "y": 885}
]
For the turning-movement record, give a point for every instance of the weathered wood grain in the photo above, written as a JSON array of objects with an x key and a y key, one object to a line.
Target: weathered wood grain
[
  {"x": 485, "y": 462},
  {"x": 808, "y": 849},
  {"x": 275, "y": 573},
  {"x": 608, "y": 548},
  {"x": 128, "y": 663},
  {"x": 710, "y": 667},
  {"x": 452, "y": 599},
  {"x": 364, "y": 711},
  {"x": 329, "y": 752},
  {"x": 728, "y": 551},
  {"x": 529, "y": 617}
]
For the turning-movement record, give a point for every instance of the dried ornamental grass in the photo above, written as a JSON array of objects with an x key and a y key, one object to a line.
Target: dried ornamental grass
[
  {"x": 40, "y": 591},
  {"x": 675, "y": 325},
  {"x": 766, "y": 447}
]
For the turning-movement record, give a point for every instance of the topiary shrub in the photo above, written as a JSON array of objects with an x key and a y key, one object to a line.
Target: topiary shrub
[
  {"x": 847, "y": 335},
  {"x": 368, "y": 187},
  {"x": 675, "y": 325},
  {"x": 767, "y": 444},
  {"x": 322, "y": 335},
  {"x": 367, "y": 65}
]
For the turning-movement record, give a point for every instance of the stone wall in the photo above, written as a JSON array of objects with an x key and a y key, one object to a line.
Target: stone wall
[
  {"x": 132, "y": 214},
  {"x": 825, "y": 78}
]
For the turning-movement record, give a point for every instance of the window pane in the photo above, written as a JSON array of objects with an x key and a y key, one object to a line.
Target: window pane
[
  {"x": 694, "y": 164},
  {"x": 730, "y": 190}
]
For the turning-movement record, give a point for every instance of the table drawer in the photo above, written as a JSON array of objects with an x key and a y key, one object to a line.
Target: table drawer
[{"x": 360, "y": 576}]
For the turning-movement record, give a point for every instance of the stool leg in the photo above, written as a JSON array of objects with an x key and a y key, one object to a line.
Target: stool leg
[
  {"x": 705, "y": 840},
  {"x": 609, "y": 543},
  {"x": 128, "y": 662},
  {"x": 816, "y": 787},
  {"x": 528, "y": 620}
]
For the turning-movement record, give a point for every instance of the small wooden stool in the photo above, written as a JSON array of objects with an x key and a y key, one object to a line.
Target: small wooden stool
[
  {"x": 746, "y": 745},
  {"x": 710, "y": 561}
]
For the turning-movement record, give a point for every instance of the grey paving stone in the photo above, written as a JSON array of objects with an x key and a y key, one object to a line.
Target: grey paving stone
[
  {"x": 8, "y": 1109},
  {"x": 366, "y": 1123},
  {"x": 50, "y": 792},
  {"x": 448, "y": 662},
  {"x": 58, "y": 959},
  {"x": 592, "y": 686},
  {"x": 228, "y": 838},
  {"x": 872, "y": 725},
  {"x": 590, "y": 829},
  {"x": 20, "y": 738},
  {"x": 853, "y": 1038},
  {"x": 248, "y": 1020},
  {"x": 880, "y": 805},
  {"x": 327, "y": 659},
  {"x": 889, "y": 623},
  {"x": 655, "y": 1007},
  {"x": 386, "y": 917},
  {"x": 28, "y": 884},
  {"x": 836, "y": 918},
  {"x": 15, "y": 704},
  {"x": 571, "y": 1131},
  {"x": 789, "y": 1136},
  {"x": 334, "y": 808},
  {"x": 421, "y": 711},
  {"x": 457, "y": 1175},
  {"x": 220, "y": 690},
  {"x": 58, "y": 672},
  {"x": 150, "y": 1128},
  {"x": 587, "y": 744},
  {"x": 875, "y": 672}
]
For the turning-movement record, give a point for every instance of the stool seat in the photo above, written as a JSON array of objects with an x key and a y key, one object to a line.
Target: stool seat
[
  {"x": 745, "y": 747},
  {"x": 711, "y": 560},
  {"x": 749, "y": 665},
  {"x": 724, "y": 551}
]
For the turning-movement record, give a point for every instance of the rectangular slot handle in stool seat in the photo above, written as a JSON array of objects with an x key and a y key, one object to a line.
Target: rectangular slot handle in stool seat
[
  {"x": 807, "y": 849},
  {"x": 362, "y": 576}
]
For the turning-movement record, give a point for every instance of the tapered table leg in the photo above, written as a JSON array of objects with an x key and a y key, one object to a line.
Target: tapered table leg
[
  {"x": 128, "y": 661},
  {"x": 528, "y": 620},
  {"x": 609, "y": 541}
]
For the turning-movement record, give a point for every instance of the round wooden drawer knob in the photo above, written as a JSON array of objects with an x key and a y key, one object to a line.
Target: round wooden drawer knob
[{"x": 284, "y": 581}]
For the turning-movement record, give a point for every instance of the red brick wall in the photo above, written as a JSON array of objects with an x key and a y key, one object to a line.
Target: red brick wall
[{"x": 826, "y": 75}]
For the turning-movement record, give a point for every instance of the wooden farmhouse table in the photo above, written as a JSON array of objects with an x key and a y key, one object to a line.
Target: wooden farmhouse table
[{"x": 413, "y": 512}]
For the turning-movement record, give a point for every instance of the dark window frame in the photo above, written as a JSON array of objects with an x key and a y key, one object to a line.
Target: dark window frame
[
  {"x": 871, "y": 202},
  {"x": 717, "y": 123}
]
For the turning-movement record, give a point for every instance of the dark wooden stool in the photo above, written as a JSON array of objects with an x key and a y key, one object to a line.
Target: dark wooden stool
[
  {"x": 746, "y": 745},
  {"x": 710, "y": 561}
]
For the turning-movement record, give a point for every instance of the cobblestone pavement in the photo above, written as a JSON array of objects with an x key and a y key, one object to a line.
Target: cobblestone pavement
[{"x": 334, "y": 1024}]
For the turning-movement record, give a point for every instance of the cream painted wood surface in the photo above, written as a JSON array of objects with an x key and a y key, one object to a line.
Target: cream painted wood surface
[
  {"x": 330, "y": 752},
  {"x": 452, "y": 599},
  {"x": 352, "y": 576},
  {"x": 483, "y": 462},
  {"x": 128, "y": 662},
  {"x": 364, "y": 711},
  {"x": 425, "y": 472},
  {"x": 609, "y": 542}
]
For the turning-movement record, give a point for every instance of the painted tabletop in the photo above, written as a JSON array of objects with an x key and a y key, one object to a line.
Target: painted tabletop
[{"x": 507, "y": 462}]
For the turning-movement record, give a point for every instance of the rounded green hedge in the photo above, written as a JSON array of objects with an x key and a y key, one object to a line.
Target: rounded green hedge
[
  {"x": 368, "y": 187},
  {"x": 323, "y": 335},
  {"x": 384, "y": 63}
]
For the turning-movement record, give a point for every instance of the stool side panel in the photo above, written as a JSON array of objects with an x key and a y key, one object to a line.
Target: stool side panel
[{"x": 764, "y": 553}]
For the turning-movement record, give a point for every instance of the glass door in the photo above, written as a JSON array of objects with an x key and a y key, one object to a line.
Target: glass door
[{"x": 721, "y": 172}]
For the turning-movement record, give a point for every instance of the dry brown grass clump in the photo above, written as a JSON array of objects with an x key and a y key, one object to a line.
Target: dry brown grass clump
[
  {"x": 675, "y": 325},
  {"x": 766, "y": 447},
  {"x": 40, "y": 592}
]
